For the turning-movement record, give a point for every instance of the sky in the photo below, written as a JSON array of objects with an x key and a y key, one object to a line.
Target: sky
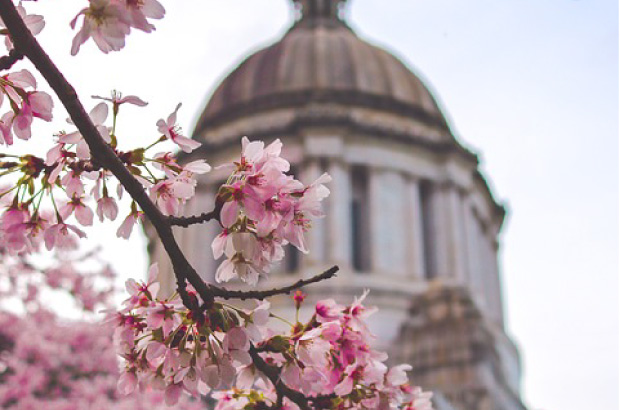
[{"x": 529, "y": 85}]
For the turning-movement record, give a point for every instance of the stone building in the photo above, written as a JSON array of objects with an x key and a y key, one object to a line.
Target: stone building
[{"x": 410, "y": 217}]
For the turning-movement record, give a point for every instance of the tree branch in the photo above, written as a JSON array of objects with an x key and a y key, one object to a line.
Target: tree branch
[
  {"x": 7, "y": 61},
  {"x": 27, "y": 45},
  {"x": 273, "y": 374},
  {"x": 186, "y": 221},
  {"x": 263, "y": 294}
]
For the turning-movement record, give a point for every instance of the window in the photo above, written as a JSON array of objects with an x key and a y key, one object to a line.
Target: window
[{"x": 360, "y": 219}]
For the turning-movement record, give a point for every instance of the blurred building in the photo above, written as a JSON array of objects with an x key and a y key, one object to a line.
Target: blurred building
[{"x": 410, "y": 217}]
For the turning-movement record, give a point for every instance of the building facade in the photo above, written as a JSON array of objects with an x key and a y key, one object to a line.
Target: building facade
[{"x": 409, "y": 217}]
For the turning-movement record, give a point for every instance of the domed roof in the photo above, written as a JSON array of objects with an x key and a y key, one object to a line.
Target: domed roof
[{"x": 320, "y": 59}]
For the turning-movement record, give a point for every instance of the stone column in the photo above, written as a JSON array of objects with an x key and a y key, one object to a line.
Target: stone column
[
  {"x": 497, "y": 284},
  {"x": 448, "y": 250},
  {"x": 415, "y": 230},
  {"x": 491, "y": 276},
  {"x": 388, "y": 216},
  {"x": 485, "y": 267},
  {"x": 202, "y": 236},
  {"x": 339, "y": 215},
  {"x": 471, "y": 243},
  {"x": 439, "y": 233},
  {"x": 315, "y": 237},
  {"x": 456, "y": 235},
  {"x": 488, "y": 273}
]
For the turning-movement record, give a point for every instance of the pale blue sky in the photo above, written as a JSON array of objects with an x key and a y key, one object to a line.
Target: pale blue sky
[{"x": 531, "y": 85}]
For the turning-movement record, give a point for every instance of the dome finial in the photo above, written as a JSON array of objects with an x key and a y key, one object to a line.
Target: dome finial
[{"x": 320, "y": 9}]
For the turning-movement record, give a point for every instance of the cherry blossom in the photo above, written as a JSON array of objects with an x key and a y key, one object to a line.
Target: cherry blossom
[
  {"x": 98, "y": 116},
  {"x": 171, "y": 131},
  {"x": 317, "y": 358},
  {"x": 124, "y": 231},
  {"x": 265, "y": 207},
  {"x": 139, "y": 11},
  {"x": 105, "y": 22},
  {"x": 24, "y": 105},
  {"x": 117, "y": 100}
]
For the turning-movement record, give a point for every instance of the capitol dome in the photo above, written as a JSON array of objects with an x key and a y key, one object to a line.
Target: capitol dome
[
  {"x": 410, "y": 216},
  {"x": 320, "y": 60},
  {"x": 320, "y": 67}
]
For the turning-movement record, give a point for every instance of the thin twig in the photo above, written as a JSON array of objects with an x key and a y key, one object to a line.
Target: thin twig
[
  {"x": 186, "y": 221},
  {"x": 7, "y": 61},
  {"x": 263, "y": 294}
]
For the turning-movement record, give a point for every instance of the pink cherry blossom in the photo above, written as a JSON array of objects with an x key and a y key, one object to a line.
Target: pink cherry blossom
[
  {"x": 107, "y": 208},
  {"x": 105, "y": 22},
  {"x": 118, "y": 99},
  {"x": 25, "y": 105},
  {"x": 62, "y": 235},
  {"x": 76, "y": 206},
  {"x": 98, "y": 116},
  {"x": 259, "y": 199},
  {"x": 171, "y": 131},
  {"x": 139, "y": 11},
  {"x": 124, "y": 231},
  {"x": 240, "y": 250}
]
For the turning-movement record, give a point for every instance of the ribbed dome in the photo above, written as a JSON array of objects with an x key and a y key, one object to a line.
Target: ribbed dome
[{"x": 320, "y": 59}]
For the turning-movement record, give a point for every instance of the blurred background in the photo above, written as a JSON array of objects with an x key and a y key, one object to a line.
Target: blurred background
[{"x": 529, "y": 86}]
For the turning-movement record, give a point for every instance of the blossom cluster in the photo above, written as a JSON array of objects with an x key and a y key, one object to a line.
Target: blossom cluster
[
  {"x": 18, "y": 90},
  {"x": 75, "y": 185},
  {"x": 24, "y": 105},
  {"x": 49, "y": 363},
  {"x": 328, "y": 358},
  {"x": 108, "y": 22},
  {"x": 167, "y": 347},
  {"x": 25, "y": 280},
  {"x": 262, "y": 210}
]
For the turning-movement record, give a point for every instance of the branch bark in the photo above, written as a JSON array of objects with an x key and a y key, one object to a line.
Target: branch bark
[
  {"x": 263, "y": 294},
  {"x": 273, "y": 374},
  {"x": 7, "y": 61},
  {"x": 185, "y": 221}
]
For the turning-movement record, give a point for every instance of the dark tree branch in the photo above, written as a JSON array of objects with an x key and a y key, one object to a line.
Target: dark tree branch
[
  {"x": 7, "y": 61},
  {"x": 273, "y": 374},
  {"x": 186, "y": 221},
  {"x": 263, "y": 294}
]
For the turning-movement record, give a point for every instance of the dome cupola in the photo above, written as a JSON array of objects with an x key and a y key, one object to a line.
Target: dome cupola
[{"x": 320, "y": 61}]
